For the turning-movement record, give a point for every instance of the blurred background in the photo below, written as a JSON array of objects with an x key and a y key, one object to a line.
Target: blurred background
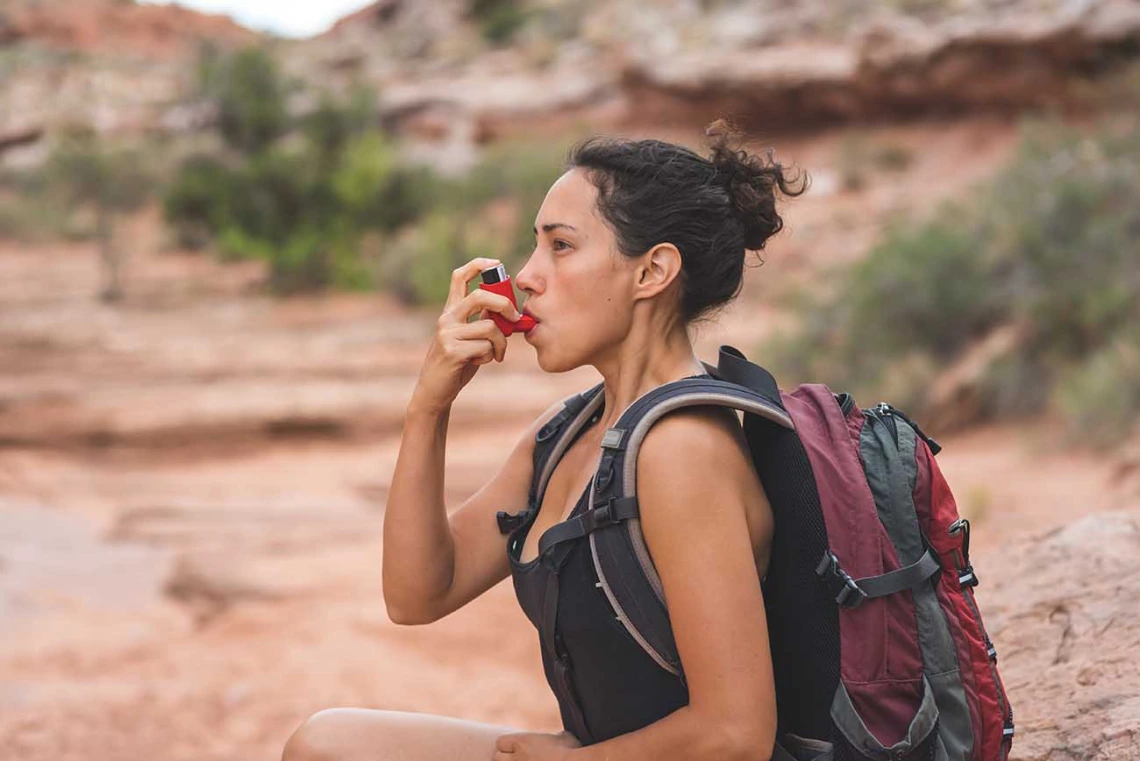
[{"x": 225, "y": 239}]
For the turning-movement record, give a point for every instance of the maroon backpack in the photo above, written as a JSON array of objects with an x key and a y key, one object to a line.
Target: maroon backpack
[{"x": 877, "y": 643}]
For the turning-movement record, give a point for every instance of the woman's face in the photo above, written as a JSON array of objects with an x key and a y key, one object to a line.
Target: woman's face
[{"x": 578, "y": 285}]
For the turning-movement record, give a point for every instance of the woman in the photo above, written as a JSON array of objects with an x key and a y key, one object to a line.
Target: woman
[{"x": 636, "y": 243}]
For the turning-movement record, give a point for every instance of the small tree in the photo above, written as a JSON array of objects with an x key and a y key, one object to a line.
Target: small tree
[
  {"x": 333, "y": 123},
  {"x": 249, "y": 93},
  {"x": 111, "y": 180}
]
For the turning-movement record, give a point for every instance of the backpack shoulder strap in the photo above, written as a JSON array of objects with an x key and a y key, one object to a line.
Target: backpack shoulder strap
[
  {"x": 615, "y": 481},
  {"x": 550, "y": 443},
  {"x": 735, "y": 368},
  {"x": 625, "y": 571}
]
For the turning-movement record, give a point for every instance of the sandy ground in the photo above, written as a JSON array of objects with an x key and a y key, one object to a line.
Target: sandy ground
[{"x": 192, "y": 487}]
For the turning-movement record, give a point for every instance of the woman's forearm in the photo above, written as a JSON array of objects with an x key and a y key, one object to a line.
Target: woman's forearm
[
  {"x": 683, "y": 735},
  {"x": 419, "y": 555}
]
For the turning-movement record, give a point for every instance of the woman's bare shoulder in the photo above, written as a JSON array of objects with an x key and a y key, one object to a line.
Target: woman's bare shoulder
[
  {"x": 698, "y": 429},
  {"x": 699, "y": 456}
]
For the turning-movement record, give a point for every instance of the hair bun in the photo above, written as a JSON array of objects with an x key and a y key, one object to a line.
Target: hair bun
[{"x": 751, "y": 182}]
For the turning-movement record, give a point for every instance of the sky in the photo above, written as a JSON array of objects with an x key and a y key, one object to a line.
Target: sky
[{"x": 299, "y": 18}]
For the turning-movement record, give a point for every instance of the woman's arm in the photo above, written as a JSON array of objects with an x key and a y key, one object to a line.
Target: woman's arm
[
  {"x": 433, "y": 563},
  {"x": 418, "y": 547},
  {"x": 696, "y": 486}
]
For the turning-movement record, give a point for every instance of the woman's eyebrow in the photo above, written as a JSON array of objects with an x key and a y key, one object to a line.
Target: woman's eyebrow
[{"x": 549, "y": 226}]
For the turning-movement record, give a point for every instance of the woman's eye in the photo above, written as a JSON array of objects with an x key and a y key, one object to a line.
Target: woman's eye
[{"x": 560, "y": 244}]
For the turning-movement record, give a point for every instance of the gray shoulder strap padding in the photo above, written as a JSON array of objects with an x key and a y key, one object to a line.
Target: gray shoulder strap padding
[
  {"x": 577, "y": 409},
  {"x": 731, "y": 396},
  {"x": 625, "y": 570}
]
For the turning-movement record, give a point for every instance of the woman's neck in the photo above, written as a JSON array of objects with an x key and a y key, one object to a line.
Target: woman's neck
[{"x": 644, "y": 368}]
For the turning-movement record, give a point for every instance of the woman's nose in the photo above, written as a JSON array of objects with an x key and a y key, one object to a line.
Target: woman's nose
[{"x": 525, "y": 280}]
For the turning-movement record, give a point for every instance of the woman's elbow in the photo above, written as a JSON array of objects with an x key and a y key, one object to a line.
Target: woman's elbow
[
  {"x": 745, "y": 742},
  {"x": 404, "y": 616}
]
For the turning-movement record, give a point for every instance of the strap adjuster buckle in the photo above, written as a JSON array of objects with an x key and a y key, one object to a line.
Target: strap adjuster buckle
[
  {"x": 850, "y": 594},
  {"x": 604, "y": 513},
  {"x": 508, "y": 522}
]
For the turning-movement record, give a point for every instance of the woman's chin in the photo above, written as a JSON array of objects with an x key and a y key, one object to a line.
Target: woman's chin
[
  {"x": 529, "y": 335},
  {"x": 544, "y": 357}
]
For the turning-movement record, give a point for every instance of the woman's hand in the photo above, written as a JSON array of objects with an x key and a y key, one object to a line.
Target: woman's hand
[
  {"x": 460, "y": 346},
  {"x": 535, "y": 746}
]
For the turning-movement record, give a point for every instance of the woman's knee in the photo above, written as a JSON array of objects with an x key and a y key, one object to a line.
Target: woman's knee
[{"x": 321, "y": 737}]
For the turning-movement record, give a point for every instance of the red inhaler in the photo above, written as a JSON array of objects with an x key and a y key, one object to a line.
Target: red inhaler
[{"x": 496, "y": 280}]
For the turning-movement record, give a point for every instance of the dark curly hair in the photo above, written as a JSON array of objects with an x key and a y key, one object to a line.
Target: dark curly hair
[{"x": 713, "y": 210}]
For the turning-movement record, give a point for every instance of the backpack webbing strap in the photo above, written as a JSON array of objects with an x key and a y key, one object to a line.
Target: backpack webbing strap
[
  {"x": 850, "y": 593},
  {"x": 610, "y": 512},
  {"x": 735, "y": 368},
  {"x": 548, "y": 447}
]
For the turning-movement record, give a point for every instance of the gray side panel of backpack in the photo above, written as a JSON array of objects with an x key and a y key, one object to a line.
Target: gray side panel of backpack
[{"x": 891, "y": 474}]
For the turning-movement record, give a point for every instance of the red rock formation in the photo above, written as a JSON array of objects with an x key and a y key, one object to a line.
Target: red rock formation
[{"x": 105, "y": 26}]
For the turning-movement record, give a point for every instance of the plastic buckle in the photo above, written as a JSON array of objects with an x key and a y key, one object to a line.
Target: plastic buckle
[
  {"x": 850, "y": 595},
  {"x": 604, "y": 514},
  {"x": 967, "y": 578},
  {"x": 827, "y": 563},
  {"x": 548, "y": 430},
  {"x": 554, "y": 425},
  {"x": 508, "y": 522}
]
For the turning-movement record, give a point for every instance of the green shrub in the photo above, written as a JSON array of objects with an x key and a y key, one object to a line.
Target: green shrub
[
  {"x": 499, "y": 20},
  {"x": 249, "y": 93},
  {"x": 112, "y": 177},
  {"x": 33, "y": 218},
  {"x": 331, "y": 126},
  {"x": 925, "y": 286},
  {"x": 106, "y": 180},
  {"x": 234, "y": 244},
  {"x": 375, "y": 190},
  {"x": 1048, "y": 245},
  {"x": 303, "y": 215},
  {"x": 1100, "y": 399},
  {"x": 197, "y": 203},
  {"x": 417, "y": 266},
  {"x": 307, "y": 205},
  {"x": 1062, "y": 224},
  {"x": 519, "y": 171}
]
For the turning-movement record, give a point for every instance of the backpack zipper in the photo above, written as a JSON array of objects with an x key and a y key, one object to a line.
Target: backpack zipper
[
  {"x": 888, "y": 412},
  {"x": 962, "y": 563},
  {"x": 882, "y": 411}
]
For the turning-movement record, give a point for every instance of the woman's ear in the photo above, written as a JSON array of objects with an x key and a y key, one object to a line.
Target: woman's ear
[{"x": 658, "y": 268}]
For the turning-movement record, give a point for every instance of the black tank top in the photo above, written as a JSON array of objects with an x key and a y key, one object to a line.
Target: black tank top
[{"x": 606, "y": 685}]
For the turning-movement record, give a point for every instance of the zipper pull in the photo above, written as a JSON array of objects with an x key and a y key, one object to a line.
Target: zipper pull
[
  {"x": 966, "y": 576},
  {"x": 886, "y": 409}
]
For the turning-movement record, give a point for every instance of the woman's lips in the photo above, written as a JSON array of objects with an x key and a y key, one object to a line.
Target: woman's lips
[{"x": 528, "y": 321}]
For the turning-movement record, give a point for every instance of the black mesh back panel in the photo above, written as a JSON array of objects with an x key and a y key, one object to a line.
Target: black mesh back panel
[{"x": 803, "y": 620}]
